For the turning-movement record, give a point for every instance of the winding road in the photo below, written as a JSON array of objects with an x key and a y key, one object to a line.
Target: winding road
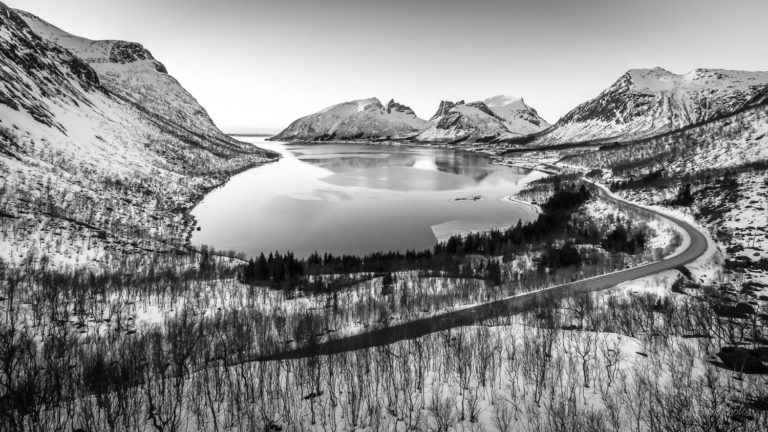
[{"x": 695, "y": 246}]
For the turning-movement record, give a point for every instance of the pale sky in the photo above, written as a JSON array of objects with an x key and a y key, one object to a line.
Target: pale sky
[{"x": 256, "y": 65}]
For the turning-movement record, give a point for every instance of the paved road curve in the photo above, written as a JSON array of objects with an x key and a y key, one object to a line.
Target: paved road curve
[{"x": 511, "y": 305}]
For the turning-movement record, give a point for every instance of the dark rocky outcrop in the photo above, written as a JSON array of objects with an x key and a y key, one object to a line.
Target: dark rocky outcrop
[
  {"x": 129, "y": 52},
  {"x": 444, "y": 107}
]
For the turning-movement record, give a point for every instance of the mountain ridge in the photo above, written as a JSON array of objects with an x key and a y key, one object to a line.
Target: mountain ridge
[
  {"x": 130, "y": 70},
  {"x": 362, "y": 119},
  {"x": 367, "y": 119},
  {"x": 646, "y": 102}
]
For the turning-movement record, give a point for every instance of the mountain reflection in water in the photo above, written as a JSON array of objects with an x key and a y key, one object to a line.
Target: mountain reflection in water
[{"x": 355, "y": 198}]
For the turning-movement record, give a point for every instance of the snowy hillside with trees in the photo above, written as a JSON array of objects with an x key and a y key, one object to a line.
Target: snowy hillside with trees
[{"x": 89, "y": 171}]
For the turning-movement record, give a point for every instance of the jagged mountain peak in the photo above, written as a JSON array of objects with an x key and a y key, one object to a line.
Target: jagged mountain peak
[
  {"x": 444, "y": 107},
  {"x": 498, "y": 117},
  {"x": 394, "y": 106}
]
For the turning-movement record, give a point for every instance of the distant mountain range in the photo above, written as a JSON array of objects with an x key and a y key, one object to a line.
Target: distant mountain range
[
  {"x": 499, "y": 117},
  {"x": 640, "y": 104}
]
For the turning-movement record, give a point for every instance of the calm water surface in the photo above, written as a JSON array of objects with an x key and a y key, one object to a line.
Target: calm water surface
[{"x": 350, "y": 198}]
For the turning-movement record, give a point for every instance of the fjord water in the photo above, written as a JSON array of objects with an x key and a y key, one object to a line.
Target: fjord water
[{"x": 358, "y": 198}]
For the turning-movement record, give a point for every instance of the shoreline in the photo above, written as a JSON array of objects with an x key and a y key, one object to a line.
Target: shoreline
[
  {"x": 514, "y": 304},
  {"x": 534, "y": 173},
  {"x": 403, "y": 142},
  {"x": 186, "y": 211},
  {"x": 510, "y": 199}
]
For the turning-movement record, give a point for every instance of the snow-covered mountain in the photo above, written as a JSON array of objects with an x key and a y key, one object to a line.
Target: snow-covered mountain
[
  {"x": 365, "y": 119},
  {"x": 112, "y": 150},
  {"x": 444, "y": 107},
  {"x": 129, "y": 70},
  {"x": 499, "y": 117},
  {"x": 647, "y": 102},
  {"x": 518, "y": 117}
]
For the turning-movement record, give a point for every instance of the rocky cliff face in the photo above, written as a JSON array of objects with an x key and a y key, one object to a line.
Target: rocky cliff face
[
  {"x": 646, "y": 102},
  {"x": 129, "y": 52},
  {"x": 444, "y": 107},
  {"x": 397, "y": 107}
]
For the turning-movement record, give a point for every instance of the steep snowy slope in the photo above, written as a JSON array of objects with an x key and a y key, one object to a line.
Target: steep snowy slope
[
  {"x": 518, "y": 117},
  {"x": 355, "y": 120},
  {"x": 646, "y": 102},
  {"x": 81, "y": 163},
  {"x": 129, "y": 70},
  {"x": 499, "y": 117}
]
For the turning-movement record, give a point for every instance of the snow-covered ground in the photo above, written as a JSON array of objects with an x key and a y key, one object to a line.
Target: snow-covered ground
[{"x": 735, "y": 220}]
